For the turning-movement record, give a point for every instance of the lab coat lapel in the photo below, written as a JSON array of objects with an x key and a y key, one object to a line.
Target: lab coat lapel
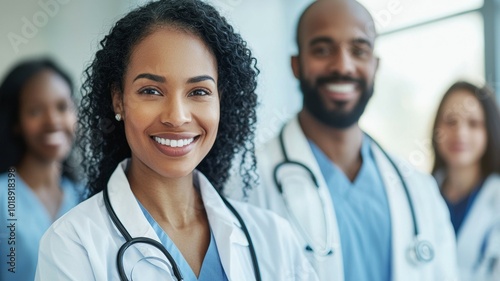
[
  {"x": 232, "y": 243},
  {"x": 401, "y": 219},
  {"x": 129, "y": 212},
  {"x": 126, "y": 206},
  {"x": 310, "y": 216},
  {"x": 481, "y": 216}
]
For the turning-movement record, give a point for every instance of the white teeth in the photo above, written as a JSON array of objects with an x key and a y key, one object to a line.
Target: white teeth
[
  {"x": 57, "y": 138},
  {"x": 342, "y": 88},
  {"x": 173, "y": 143}
]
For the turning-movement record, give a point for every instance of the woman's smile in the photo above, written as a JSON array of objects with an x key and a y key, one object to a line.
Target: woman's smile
[{"x": 175, "y": 146}]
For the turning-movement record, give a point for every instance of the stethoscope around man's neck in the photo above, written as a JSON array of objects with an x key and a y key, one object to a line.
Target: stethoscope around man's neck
[
  {"x": 145, "y": 240},
  {"x": 421, "y": 251}
]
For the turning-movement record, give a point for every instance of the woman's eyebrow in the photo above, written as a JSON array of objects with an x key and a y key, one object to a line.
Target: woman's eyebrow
[
  {"x": 156, "y": 78},
  {"x": 161, "y": 79},
  {"x": 200, "y": 78}
]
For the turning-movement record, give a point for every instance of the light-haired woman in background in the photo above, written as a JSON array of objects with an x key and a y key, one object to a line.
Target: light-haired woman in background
[{"x": 466, "y": 142}]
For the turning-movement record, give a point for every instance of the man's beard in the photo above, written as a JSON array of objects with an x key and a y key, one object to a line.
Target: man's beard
[{"x": 337, "y": 118}]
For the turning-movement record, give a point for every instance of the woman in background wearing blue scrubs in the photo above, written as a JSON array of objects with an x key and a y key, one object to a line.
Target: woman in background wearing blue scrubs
[
  {"x": 466, "y": 142},
  {"x": 37, "y": 185}
]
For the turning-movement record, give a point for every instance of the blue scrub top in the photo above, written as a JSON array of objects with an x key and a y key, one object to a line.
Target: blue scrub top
[
  {"x": 211, "y": 269},
  {"x": 22, "y": 224},
  {"x": 363, "y": 216},
  {"x": 459, "y": 210}
]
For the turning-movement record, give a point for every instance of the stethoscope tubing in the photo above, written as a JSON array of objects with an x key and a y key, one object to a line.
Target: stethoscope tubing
[
  {"x": 416, "y": 231},
  {"x": 251, "y": 247},
  {"x": 421, "y": 248},
  {"x": 130, "y": 241},
  {"x": 175, "y": 268}
]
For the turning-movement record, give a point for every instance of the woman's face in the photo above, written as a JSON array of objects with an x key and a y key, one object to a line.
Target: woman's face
[
  {"x": 47, "y": 117},
  {"x": 461, "y": 136},
  {"x": 170, "y": 104}
]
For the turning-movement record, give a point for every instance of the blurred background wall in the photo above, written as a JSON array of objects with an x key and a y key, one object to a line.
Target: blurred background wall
[{"x": 424, "y": 46}]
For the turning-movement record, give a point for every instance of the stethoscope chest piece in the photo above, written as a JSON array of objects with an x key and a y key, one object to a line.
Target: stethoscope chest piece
[
  {"x": 292, "y": 177},
  {"x": 174, "y": 268},
  {"x": 421, "y": 251}
]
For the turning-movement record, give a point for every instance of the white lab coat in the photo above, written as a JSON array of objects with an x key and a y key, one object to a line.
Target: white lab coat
[
  {"x": 432, "y": 215},
  {"x": 481, "y": 226},
  {"x": 83, "y": 244}
]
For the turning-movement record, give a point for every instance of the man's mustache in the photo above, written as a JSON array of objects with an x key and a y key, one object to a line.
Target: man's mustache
[{"x": 335, "y": 78}]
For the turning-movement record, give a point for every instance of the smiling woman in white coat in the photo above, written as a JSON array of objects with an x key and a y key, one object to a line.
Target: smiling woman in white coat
[
  {"x": 180, "y": 85},
  {"x": 466, "y": 139}
]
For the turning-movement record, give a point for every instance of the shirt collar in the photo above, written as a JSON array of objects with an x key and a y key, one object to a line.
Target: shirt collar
[
  {"x": 329, "y": 168},
  {"x": 130, "y": 214}
]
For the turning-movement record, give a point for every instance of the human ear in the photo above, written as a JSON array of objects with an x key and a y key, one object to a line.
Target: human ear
[
  {"x": 295, "y": 66},
  {"x": 117, "y": 99}
]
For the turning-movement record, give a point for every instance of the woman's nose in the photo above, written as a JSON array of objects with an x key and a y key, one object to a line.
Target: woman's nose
[{"x": 176, "y": 112}]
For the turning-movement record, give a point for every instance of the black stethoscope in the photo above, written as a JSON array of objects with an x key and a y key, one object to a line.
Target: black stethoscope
[
  {"x": 145, "y": 240},
  {"x": 420, "y": 251}
]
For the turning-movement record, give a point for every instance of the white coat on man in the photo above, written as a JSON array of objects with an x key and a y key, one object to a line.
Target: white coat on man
[{"x": 314, "y": 211}]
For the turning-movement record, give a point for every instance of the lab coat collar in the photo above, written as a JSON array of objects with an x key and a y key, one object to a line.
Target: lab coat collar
[
  {"x": 490, "y": 193},
  {"x": 128, "y": 210},
  {"x": 224, "y": 225},
  {"x": 483, "y": 214},
  {"x": 401, "y": 226},
  {"x": 293, "y": 138},
  {"x": 401, "y": 223},
  {"x": 232, "y": 243},
  {"x": 402, "y": 232},
  {"x": 126, "y": 206},
  {"x": 217, "y": 211}
]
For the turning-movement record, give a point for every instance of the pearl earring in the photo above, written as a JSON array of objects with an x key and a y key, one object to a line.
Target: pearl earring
[{"x": 118, "y": 117}]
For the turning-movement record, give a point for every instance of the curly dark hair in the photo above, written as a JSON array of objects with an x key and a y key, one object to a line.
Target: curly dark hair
[
  {"x": 102, "y": 139},
  {"x": 12, "y": 145}
]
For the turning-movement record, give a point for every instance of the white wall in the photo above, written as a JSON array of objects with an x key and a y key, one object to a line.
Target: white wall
[{"x": 67, "y": 30}]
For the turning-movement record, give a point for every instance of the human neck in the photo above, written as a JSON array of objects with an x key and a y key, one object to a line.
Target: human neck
[
  {"x": 44, "y": 179},
  {"x": 177, "y": 207},
  {"x": 39, "y": 174},
  {"x": 172, "y": 202},
  {"x": 460, "y": 182},
  {"x": 342, "y": 146}
]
